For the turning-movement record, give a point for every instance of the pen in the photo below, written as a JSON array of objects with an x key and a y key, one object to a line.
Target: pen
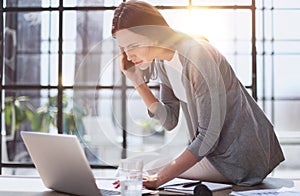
[
  {"x": 184, "y": 185},
  {"x": 191, "y": 184},
  {"x": 165, "y": 187}
]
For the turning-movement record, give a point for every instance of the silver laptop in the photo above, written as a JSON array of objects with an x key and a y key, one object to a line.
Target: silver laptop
[{"x": 62, "y": 164}]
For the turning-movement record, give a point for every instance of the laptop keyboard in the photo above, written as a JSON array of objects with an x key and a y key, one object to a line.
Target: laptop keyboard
[{"x": 105, "y": 192}]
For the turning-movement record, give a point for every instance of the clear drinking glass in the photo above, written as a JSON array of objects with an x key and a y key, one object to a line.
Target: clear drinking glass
[{"x": 130, "y": 176}]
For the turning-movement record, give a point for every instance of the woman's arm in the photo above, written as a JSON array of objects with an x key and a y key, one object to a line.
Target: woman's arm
[
  {"x": 148, "y": 97},
  {"x": 136, "y": 76},
  {"x": 185, "y": 161},
  {"x": 167, "y": 109}
]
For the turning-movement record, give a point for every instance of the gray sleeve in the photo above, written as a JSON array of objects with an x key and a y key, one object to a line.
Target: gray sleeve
[
  {"x": 209, "y": 100},
  {"x": 168, "y": 106},
  {"x": 167, "y": 109},
  {"x": 203, "y": 107}
]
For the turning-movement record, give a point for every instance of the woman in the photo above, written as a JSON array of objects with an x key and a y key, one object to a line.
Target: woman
[{"x": 232, "y": 140}]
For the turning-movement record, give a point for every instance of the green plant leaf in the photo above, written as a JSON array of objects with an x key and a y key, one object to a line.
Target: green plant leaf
[{"x": 36, "y": 121}]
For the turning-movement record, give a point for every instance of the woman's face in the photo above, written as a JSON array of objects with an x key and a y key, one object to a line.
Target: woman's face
[{"x": 138, "y": 48}]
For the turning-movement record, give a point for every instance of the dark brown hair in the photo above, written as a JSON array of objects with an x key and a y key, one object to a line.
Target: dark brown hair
[{"x": 136, "y": 13}]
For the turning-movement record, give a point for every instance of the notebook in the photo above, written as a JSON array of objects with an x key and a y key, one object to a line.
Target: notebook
[
  {"x": 186, "y": 186},
  {"x": 62, "y": 164}
]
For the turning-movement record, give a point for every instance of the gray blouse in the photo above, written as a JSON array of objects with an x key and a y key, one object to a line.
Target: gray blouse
[{"x": 225, "y": 123}]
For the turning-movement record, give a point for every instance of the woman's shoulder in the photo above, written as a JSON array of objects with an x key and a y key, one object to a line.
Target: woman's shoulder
[{"x": 186, "y": 44}]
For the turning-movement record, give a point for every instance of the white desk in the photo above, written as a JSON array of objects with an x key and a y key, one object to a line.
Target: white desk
[
  {"x": 19, "y": 185},
  {"x": 33, "y": 186}
]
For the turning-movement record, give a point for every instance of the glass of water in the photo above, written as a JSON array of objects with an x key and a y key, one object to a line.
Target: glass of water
[{"x": 130, "y": 176}]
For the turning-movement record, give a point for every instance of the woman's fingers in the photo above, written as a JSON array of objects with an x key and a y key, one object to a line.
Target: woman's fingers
[
  {"x": 150, "y": 182},
  {"x": 125, "y": 63}
]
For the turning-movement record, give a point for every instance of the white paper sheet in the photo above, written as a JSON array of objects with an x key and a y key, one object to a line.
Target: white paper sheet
[{"x": 267, "y": 192}]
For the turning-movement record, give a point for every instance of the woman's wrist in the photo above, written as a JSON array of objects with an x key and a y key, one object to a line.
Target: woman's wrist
[
  {"x": 139, "y": 85},
  {"x": 155, "y": 182},
  {"x": 158, "y": 181},
  {"x": 147, "y": 96},
  {"x": 138, "y": 82}
]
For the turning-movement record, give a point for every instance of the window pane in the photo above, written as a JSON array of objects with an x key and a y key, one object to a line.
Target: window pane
[
  {"x": 278, "y": 76},
  {"x": 168, "y": 2},
  {"x": 286, "y": 115},
  {"x": 222, "y": 24},
  {"x": 31, "y": 3},
  {"x": 286, "y": 3},
  {"x": 19, "y": 171},
  {"x": 98, "y": 67},
  {"x": 26, "y": 110},
  {"x": 49, "y": 69},
  {"x": 30, "y": 45},
  {"x": 22, "y": 47},
  {"x": 242, "y": 67},
  {"x": 98, "y": 125},
  {"x": 73, "y": 3},
  {"x": 265, "y": 76},
  {"x": 283, "y": 27},
  {"x": 86, "y": 49},
  {"x": 221, "y": 2},
  {"x": 286, "y": 76},
  {"x": 287, "y": 47}
]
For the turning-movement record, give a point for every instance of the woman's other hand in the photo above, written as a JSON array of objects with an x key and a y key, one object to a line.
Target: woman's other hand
[{"x": 150, "y": 182}]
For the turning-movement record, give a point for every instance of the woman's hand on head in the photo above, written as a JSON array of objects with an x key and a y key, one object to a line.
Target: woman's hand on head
[{"x": 133, "y": 73}]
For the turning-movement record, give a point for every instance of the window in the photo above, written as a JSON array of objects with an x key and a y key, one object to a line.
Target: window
[{"x": 60, "y": 72}]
